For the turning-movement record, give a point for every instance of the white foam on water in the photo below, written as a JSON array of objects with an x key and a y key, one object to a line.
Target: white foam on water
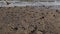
[{"x": 18, "y": 3}]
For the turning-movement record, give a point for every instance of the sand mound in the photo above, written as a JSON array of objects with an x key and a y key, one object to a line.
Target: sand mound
[{"x": 29, "y": 20}]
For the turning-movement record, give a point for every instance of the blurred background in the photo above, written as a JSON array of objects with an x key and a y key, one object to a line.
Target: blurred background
[{"x": 33, "y": 0}]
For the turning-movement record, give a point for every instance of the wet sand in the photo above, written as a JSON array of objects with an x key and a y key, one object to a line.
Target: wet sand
[{"x": 29, "y": 20}]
